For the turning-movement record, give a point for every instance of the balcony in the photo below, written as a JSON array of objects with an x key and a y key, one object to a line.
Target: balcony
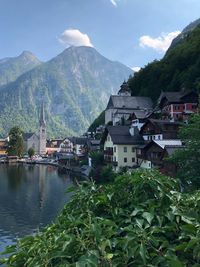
[{"x": 108, "y": 152}]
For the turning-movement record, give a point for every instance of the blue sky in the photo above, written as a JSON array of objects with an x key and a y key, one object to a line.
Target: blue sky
[{"x": 133, "y": 32}]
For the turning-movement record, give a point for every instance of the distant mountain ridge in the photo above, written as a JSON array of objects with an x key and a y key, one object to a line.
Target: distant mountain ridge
[
  {"x": 185, "y": 32},
  {"x": 75, "y": 86},
  {"x": 11, "y": 68}
]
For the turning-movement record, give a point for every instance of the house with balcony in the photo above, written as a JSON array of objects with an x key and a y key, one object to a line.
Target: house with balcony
[
  {"x": 66, "y": 146},
  {"x": 120, "y": 143},
  {"x": 154, "y": 153},
  {"x": 159, "y": 130},
  {"x": 178, "y": 105}
]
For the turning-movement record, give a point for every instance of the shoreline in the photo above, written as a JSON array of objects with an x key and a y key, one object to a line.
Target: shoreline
[{"x": 74, "y": 169}]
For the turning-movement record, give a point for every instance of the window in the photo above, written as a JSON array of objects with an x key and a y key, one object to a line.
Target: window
[
  {"x": 133, "y": 149},
  {"x": 115, "y": 149},
  {"x": 133, "y": 159},
  {"x": 125, "y": 149},
  {"x": 125, "y": 159}
]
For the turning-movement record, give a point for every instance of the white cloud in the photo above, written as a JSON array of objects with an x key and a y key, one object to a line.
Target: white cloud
[
  {"x": 113, "y": 2},
  {"x": 74, "y": 37},
  {"x": 161, "y": 43},
  {"x": 136, "y": 69}
]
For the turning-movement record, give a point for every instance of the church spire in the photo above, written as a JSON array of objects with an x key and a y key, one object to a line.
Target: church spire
[{"x": 42, "y": 115}]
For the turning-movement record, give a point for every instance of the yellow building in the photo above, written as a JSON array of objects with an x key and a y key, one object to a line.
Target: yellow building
[
  {"x": 120, "y": 143},
  {"x": 3, "y": 146}
]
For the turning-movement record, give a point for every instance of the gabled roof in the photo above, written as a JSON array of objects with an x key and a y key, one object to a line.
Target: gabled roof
[
  {"x": 121, "y": 135},
  {"x": 160, "y": 123},
  {"x": 174, "y": 97},
  {"x": 171, "y": 149},
  {"x": 78, "y": 140},
  {"x": 168, "y": 143},
  {"x": 129, "y": 102},
  {"x": 27, "y": 136},
  {"x": 141, "y": 114}
]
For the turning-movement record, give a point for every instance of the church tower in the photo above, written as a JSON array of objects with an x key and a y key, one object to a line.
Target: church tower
[
  {"x": 42, "y": 132},
  {"x": 124, "y": 90}
]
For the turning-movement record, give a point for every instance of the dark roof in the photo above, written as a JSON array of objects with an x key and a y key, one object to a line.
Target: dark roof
[
  {"x": 78, "y": 140},
  {"x": 174, "y": 97},
  {"x": 171, "y": 149},
  {"x": 95, "y": 142},
  {"x": 164, "y": 122},
  {"x": 54, "y": 142},
  {"x": 141, "y": 114},
  {"x": 129, "y": 102},
  {"x": 26, "y": 136},
  {"x": 160, "y": 123},
  {"x": 121, "y": 135}
]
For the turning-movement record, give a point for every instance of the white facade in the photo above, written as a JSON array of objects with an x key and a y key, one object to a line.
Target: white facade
[
  {"x": 66, "y": 146},
  {"x": 124, "y": 155},
  {"x": 33, "y": 142}
]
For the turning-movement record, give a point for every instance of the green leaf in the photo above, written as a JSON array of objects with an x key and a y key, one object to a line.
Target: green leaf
[
  {"x": 175, "y": 263},
  {"x": 143, "y": 253},
  {"x": 148, "y": 216}
]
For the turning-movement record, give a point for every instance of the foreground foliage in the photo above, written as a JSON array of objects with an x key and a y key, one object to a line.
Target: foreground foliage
[
  {"x": 139, "y": 220},
  {"x": 187, "y": 159}
]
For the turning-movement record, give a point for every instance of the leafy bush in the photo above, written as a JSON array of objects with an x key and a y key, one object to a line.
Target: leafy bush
[
  {"x": 187, "y": 159},
  {"x": 139, "y": 220}
]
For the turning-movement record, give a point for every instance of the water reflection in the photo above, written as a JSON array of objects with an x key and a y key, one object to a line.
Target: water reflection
[{"x": 30, "y": 197}]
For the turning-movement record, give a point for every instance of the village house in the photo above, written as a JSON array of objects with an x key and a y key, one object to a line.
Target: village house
[
  {"x": 93, "y": 145},
  {"x": 152, "y": 154},
  {"x": 178, "y": 105},
  {"x": 66, "y": 146},
  {"x": 75, "y": 145},
  {"x": 53, "y": 146},
  {"x": 3, "y": 146},
  {"x": 120, "y": 143},
  {"x": 79, "y": 146},
  {"x": 159, "y": 130},
  {"x": 121, "y": 106}
]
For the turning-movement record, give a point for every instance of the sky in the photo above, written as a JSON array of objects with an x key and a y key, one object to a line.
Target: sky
[{"x": 133, "y": 32}]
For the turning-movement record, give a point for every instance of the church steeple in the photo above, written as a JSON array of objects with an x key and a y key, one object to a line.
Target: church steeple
[
  {"x": 42, "y": 116},
  {"x": 42, "y": 131}
]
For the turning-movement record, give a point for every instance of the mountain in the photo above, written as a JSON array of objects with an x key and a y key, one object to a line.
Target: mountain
[
  {"x": 75, "y": 87},
  {"x": 12, "y": 68},
  {"x": 179, "y": 69},
  {"x": 185, "y": 32}
]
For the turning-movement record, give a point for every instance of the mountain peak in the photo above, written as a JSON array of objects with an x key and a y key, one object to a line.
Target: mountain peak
[{"x": 27, "y": 55}]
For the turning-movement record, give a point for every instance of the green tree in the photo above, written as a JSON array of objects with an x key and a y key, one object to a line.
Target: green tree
[
  {"x": 188, "y": 158},
  {"x": 31, "y": 152},
  {"x": 15, "y": 144}
]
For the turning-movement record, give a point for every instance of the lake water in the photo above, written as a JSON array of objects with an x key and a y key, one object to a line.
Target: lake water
[{"x": 31, "y": 196}]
